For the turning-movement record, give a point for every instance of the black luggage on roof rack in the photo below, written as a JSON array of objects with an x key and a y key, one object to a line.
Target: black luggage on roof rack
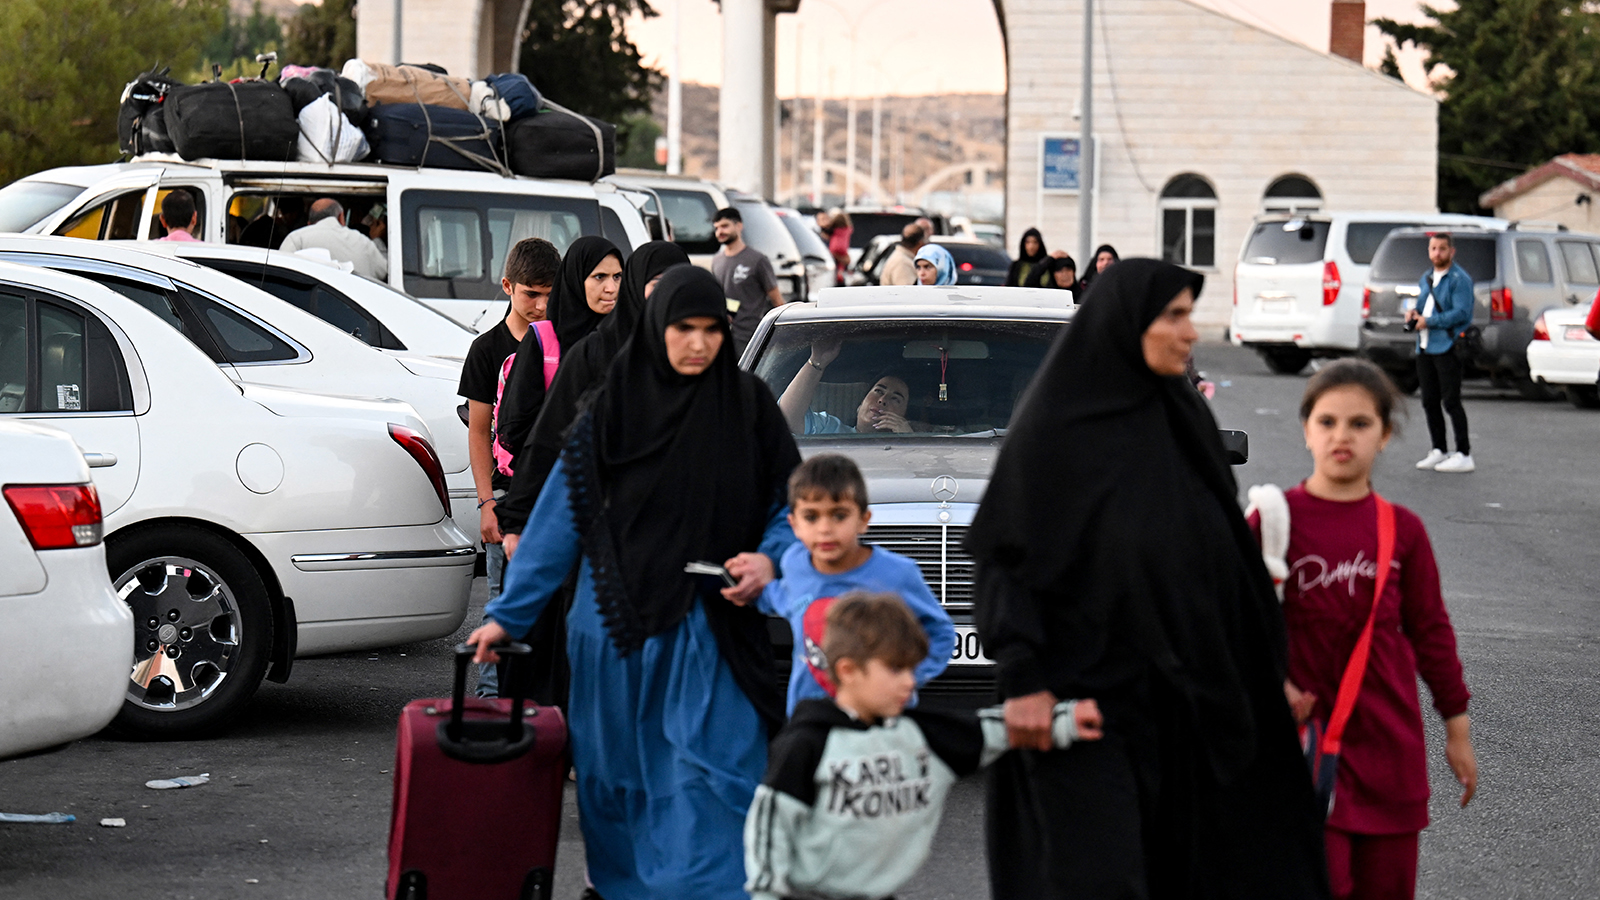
[
  {"x": 139, "y": 125},
  {"x": 559, "y": 143},
  {"x": 222, "y": 120},
  {"x": 413, "y": 134}
]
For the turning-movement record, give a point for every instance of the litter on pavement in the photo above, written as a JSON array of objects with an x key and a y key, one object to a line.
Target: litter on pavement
[
  {"x": 165, "y": 784},
  {"x": 113, "y": 823},
  {"x": 41, "y": 819}
]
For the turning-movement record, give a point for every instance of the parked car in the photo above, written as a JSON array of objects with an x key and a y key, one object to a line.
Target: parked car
[
  {"x": 977, "y": 262},
  {"x": 66, "y": 669},
  {"x": 1517, "y": 275},
  {"x": 868, "y": 222},
  {"x": 450, "y": 230},
  {"x": 982, "y": 345},
  {"x": 689, "y": 204},
  {"x": 1563, "y": 354},
  {"x": 370, "y": 311},
  {"x": 764, "y": 231},
  {"x": 988, "y": 232},
  {"x": 257, "y": 338},
  {"x": 1297, "y": 285},
  {"x": 813, "y": 249},
  {"x": 245, "y": 525}
]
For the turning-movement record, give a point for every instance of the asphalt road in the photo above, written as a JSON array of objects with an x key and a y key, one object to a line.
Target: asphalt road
[{"x": 298, "y": 803}]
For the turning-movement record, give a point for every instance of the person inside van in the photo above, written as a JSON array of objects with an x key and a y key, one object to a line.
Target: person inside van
[
  {"x": 179, "y": 217},
  {"x": 271, "y": 227},
  {"x": 327, "y": 231}
]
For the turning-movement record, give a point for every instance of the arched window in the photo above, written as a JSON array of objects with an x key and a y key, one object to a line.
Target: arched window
[
  {"x": 1292, "y": 193},
  {"x": 1189, "y": 222}
]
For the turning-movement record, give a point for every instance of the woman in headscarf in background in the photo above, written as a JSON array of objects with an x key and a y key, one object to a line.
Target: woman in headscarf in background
[
  {"x": 677, "y": 457},
  {"x": 935, "y": 265},
  {"x": 1114, "y": 563},
  {"x": 1030, "y": 268},
  {"x": 1062, "y": 274},
  {"x": 545, "y": 674},
  {"x": 1104, "y": 258},
  {"x": 585, "y": 292}
]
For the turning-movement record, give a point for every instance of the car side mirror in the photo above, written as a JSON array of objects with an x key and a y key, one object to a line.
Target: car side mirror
[{"x": 1236, "y": 444}]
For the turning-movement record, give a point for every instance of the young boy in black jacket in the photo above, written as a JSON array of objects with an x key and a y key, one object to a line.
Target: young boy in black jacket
[{"x": 855, "y": 785}]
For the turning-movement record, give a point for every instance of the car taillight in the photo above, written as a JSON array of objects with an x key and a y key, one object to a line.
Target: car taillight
[
  {"x": 1500, "y": 304},
  {"x": 966, "y": 267},
  {"x": 421, "y": 451},
  {"x": 1366, "y": 302},
  {"x": 1541, "y": 331},
  {"x": 57, "y": 516},
  {"x": 1330, "y": 283}
]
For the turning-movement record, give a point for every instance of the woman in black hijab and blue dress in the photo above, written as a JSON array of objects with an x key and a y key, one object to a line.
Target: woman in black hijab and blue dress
[
  {"x": 678, "y": 456},
  {"x": 1113, "y": 562}
]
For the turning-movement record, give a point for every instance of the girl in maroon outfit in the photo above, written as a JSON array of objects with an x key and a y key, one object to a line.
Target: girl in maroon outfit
[{"x": 1381, "y": 799}]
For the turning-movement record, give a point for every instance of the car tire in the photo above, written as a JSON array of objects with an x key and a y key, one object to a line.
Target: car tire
[
  {"x": 202, "y": 631},
  {"x": 1537, "y": 391},
  {"x": 1286, "y": 360},
  {"x": 1583, "y": 396}
]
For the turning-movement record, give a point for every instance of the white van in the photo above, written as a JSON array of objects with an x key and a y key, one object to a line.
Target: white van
[
  {"x": 452, "y": 228},
  {"x": 1297, "y": 285},
  {"x": 689, "y": 204}
]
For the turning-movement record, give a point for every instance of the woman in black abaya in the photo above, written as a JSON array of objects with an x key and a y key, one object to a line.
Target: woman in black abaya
[
  {"x": 586, "y": 291},
  {"x": 1123, "y": 570},
  {"x": 1032, "y": 263}
]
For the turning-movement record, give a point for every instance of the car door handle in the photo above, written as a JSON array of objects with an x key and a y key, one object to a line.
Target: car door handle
[{"x": 100, "y": 460}]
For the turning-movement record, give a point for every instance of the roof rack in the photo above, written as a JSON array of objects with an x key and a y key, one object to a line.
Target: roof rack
[{"x": 1537, "y": 226}]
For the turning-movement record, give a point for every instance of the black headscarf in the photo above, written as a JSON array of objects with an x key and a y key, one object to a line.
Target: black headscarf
[
  {"x": 664, "y": 469},
  {"x": 1089, "y": 274},
  {"x": 1130, "y": 548},
  {"x": 569, "y": 312},
  {"x": 1061, "y": 264},
  {"x": 582, "y": 367},
  {"x": 1026, "y": 270}
]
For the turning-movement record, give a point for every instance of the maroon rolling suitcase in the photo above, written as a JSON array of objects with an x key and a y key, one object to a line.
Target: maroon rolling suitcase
[{"x": 477, "y": 796}]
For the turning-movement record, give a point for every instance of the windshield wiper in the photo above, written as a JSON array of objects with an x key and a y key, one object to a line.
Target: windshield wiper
[{"x": 991, "y": 432}]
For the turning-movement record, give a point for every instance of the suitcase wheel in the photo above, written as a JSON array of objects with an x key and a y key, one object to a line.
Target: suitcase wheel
[{"x": 536, "y": 886}]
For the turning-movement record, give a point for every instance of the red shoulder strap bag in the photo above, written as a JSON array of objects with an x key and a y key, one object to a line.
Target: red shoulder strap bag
[{"x": 1321, "y": 742}]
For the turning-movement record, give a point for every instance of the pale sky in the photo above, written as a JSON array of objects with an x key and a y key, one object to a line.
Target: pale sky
[{"x": 906, "y": 47}]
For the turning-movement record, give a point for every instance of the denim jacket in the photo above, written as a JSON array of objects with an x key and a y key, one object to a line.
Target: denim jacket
[{"x": 1452, "y": 308}]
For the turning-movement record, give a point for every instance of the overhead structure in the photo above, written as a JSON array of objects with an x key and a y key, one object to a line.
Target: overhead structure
[{"x": 747, "y": 152}]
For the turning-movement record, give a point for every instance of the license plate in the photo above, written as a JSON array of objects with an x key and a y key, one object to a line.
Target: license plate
[
  {"x": 1277, "y": 306},
  {"x": 1577, "y": 333},
  {"x": 968, "y": 650}
]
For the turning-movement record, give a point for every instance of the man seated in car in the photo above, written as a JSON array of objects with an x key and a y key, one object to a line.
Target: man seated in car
[{"x": 882, "y": 410}]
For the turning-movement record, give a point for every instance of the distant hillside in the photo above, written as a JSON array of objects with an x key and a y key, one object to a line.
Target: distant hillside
[{"x": 936, "y": 131}]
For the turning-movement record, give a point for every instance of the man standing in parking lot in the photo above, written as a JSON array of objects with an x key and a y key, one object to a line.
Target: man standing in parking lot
[
  {"x": 1443, "y": 308},
  {"x": 746, "y": 276},
  {"x": 901, "y": 266}
]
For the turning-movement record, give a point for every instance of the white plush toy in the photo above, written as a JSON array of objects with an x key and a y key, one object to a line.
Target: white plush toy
[{"x": 1273, "y": 507}]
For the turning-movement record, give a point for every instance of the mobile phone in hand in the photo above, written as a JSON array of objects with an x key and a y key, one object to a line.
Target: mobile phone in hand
[{"x": 713, "y": 570}]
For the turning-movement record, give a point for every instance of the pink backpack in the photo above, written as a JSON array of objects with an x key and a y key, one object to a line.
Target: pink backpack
[{"x": 545, "y": 333}]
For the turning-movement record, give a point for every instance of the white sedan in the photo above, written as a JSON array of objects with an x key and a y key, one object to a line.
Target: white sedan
[
  {"x": 258, "y": 339},
  {"x": 245, "y": 524},
  {"x": 369, "y": 310},
  {"x": 1564, "y": 354},
  {"x": 67, "y": 681}
]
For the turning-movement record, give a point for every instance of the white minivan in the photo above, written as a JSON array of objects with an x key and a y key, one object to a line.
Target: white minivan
[
  {"x": 1297, "y": 285},
  {"x": 447, "y": 231}
]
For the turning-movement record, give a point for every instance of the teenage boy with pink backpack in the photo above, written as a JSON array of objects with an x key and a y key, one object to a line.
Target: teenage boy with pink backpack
[{"x": 530, "y": 275}]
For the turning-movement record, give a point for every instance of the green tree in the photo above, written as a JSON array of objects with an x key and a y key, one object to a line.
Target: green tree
[
  {"x": 577, "y": 53},
  {"x": 242, "y": 37},
  {"x": 1521, "y": 85},
  {"x": 66, "y": 62},
  {"x": 321, "y": 35},
  {"x": 638, "y": 149}
]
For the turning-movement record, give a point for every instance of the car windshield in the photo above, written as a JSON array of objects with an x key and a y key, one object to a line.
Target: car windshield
[
  {"x": 1404, "y": 257},
  {"x": 809, "y": 242},
  {"x": 864, "y": 226},
  {"x": 902, "y": 377},
  {"x": 1286, "y": 243},
  {"x": 24, "y": 203}
]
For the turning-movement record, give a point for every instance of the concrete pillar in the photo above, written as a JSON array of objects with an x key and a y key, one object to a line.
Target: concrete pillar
[
  {"x": 769, "y": 108},
  {"x": 744, "y": 117}
]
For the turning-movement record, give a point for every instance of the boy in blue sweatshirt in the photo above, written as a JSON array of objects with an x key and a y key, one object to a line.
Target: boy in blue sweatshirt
[{"x": 828, "y": 511}]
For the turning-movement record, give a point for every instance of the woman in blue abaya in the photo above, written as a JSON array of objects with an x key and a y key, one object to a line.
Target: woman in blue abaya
[{"x": 677, "y": 457}]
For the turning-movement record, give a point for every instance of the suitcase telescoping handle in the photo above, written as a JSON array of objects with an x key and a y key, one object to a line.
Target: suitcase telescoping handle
[{"x": 484, "y": 741}]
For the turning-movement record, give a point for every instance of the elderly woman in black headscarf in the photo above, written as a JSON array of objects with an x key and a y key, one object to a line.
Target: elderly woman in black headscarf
[
  {"x": 1031, "y": 266},
  {"x": 1105, "y": 256},
  {"x": 1123, "y": 570},
  {"x": 585, "y": 292},
  {"x": 677, "y": 457}
]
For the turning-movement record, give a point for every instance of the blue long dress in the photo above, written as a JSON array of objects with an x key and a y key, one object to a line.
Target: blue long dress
[{"x": 668, "y": 749}]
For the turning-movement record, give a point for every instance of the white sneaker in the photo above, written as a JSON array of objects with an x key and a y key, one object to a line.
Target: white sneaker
[
  {"x": 1433, "y": 459},
  {"x": 1456, "y": 462}
]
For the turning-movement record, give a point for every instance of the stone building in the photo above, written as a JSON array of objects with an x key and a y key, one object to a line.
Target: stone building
[
  {"x": 1203, "y": 122},
  {"x": 1560, "y": 192}
]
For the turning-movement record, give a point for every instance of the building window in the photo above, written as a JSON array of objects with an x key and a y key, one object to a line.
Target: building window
[
  {"x": 1189, "y": 222},
  {"x": 1292, "y": 193}
]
